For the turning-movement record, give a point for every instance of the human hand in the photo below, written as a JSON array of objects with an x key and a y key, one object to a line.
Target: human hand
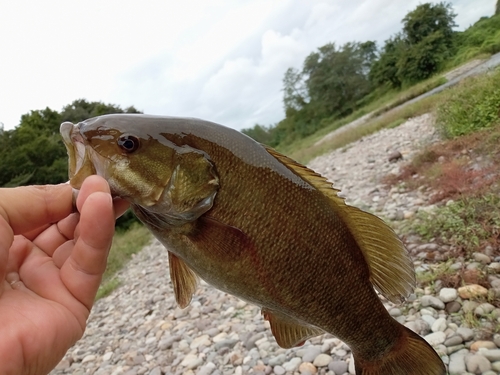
[{"x": 51, "y": 265}]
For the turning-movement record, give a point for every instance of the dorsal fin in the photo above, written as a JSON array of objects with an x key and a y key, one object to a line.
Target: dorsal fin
[
  {"x": 391, "y": 269},
  {"x": 288, "y": 332}
]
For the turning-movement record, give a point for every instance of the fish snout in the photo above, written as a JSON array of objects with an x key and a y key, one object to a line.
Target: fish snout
[{"x": 79, "y": 163}]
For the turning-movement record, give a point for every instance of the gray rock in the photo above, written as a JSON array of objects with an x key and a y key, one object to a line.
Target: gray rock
[
  {"x": 292, "y": 365},
  {"x": 338, "y": 367},
  {"x": 493, "y": 355},
  {"x": 466, "y": 333},
  {"x": 453, "y": 307},
  {"x": 311, "y": 353},
  {"x": 432, "y": 301},
  {"x": 477, "y": 363},
  {"x": 481, "y": 258},
  {"x": 457, "y": 362},
  {"x": 439, "y": 325},
  {"x": 448, "y": 294},
  {"x": 435, "y": 338},
  {"x": 454, "y": 340},
  {"x": 277, "y": 360}
]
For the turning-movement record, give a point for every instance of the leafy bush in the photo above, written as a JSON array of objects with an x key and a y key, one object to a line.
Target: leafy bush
[
  {"x": 472, "y": 105},
  {"x": 481, "y": 38}
]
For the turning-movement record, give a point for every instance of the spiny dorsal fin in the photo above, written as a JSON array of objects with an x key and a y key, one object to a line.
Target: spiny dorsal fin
[
  {"x": 288, "y": 332},
  {"x": 183, "y": 279},
  {"x": 391, "y": 269}
]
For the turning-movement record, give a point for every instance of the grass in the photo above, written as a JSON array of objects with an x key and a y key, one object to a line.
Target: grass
[
  {"x": 469, "y": 224},
  {"x": 472, "y": 105},
  {"x": 125, "y": 244},
  {"x": 464, "y": 174},
  {"x": 309, "y": 148},
  {"x": 379, "y": 113},
  {"x": 467, "y": 107}
]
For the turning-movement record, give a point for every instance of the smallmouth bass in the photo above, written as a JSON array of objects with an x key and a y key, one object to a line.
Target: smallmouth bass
[{"x": 256, "y": 224}]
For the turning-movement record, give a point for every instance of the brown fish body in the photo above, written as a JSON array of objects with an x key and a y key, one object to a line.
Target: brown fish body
[{"x": 272, "y": 232}]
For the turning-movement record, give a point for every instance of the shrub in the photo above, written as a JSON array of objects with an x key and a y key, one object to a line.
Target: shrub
[{"x": 474, "y": 104}]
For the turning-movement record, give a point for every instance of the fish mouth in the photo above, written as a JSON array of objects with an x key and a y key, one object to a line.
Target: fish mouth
[{"x": 80, "y": 164}]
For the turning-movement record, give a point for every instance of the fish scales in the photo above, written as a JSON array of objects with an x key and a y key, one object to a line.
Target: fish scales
[
  {"x": 256, "y": 224},
  {"x": 281, "y": 210}
]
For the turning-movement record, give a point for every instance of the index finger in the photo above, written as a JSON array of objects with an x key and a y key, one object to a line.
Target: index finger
[{"x": 29, "y": 207}]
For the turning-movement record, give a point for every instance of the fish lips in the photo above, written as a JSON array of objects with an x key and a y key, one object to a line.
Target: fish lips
[{"x": 80, "y": 164}]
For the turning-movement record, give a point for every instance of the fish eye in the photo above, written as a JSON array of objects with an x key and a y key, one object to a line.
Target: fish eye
[{"x": 128, "y": 143}]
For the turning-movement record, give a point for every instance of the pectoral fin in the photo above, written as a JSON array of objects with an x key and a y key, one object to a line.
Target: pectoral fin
[
  {"x": 224, "y": 241},
  {"x": 288, "y": 332},
  {"x": 184, "y": 280}
]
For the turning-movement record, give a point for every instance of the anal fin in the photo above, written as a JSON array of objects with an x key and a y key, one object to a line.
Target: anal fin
[
  {"x": 184, "y": 280},
  {"x": 287, "y": 331}
]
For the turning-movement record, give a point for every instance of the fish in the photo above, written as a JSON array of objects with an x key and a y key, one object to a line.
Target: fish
[{"x": 256, "y": 224}]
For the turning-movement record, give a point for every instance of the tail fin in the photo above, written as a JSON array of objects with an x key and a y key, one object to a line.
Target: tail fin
[{"x": 412, "y": 356}]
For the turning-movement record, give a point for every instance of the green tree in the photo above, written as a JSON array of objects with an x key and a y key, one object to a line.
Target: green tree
[
  {"x": 259, "y": 133},
  {"x": 33, "y": 152},
  {"x": 338, "y": 77},
  {"x": 295, "y": 91},
  {"x": 80, "y": 110},
  {"x": 385, "y": 69},
  {"x": 420, "y": 50},
  {"x": 497, "y": 8},
  {"x": 429, "y": 34},
  {"x": 428, "y": 19},
  {"x": 422, "y": 59}
]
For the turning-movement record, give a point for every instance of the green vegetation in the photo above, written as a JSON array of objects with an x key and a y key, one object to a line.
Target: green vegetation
[
  {"x": 33, "y": 152},
  {"x": 125, "y": 244},
  {"x": 481, "y": 39},
  {"x": 471, "y": 106},
  {"x": 307, "y": 148},
  {"x": 339, "y": 84},
  {"x": 467, "y": 224},
  {"x": 463, "y": 168}
]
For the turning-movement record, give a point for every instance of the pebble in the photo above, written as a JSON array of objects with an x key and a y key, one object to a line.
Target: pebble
[
  {"x": 472, "y": 291},
  {"x": 338, "y": 367},
  {"x": 432, "y": 302},
  {"x": 322, "y": 360},
  {"x": 138, "y": 328},
  {"x": 448, "y": 294}
]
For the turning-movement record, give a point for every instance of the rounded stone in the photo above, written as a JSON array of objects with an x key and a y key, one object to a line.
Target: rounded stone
[
  {"x": 338, "y": 367},
  {"x": 472, "y": 291},
  {"x": 307, "y": 368},
  {"x": 435, "y": 338},
  {"x": 311, "y": 353},
  {"x": 477, "y": 364},
  {"x": 453, "y": 307},
  {"x": 454, "y": 340},
  {"x": 475, "y": 346},
  {"x": 322, "y": 360},
  {"x": 432, "y": 302},
  {"x": 448, "y": 294},
  {"x": 439, "y": 325},
  {"x": 278, "y": 370}
]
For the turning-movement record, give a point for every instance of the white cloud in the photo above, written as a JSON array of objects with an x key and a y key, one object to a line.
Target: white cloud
[{"x": 221, "y": 60}]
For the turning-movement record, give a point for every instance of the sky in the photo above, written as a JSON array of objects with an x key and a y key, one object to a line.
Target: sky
[{"x": 220, "y": 60}]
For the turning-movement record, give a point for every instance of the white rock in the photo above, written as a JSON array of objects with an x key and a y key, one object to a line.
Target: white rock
[
  {"x": 435, "y": 338},
  {"x": 439, "y": 325},
  {"x": 448, "y": 294}
]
